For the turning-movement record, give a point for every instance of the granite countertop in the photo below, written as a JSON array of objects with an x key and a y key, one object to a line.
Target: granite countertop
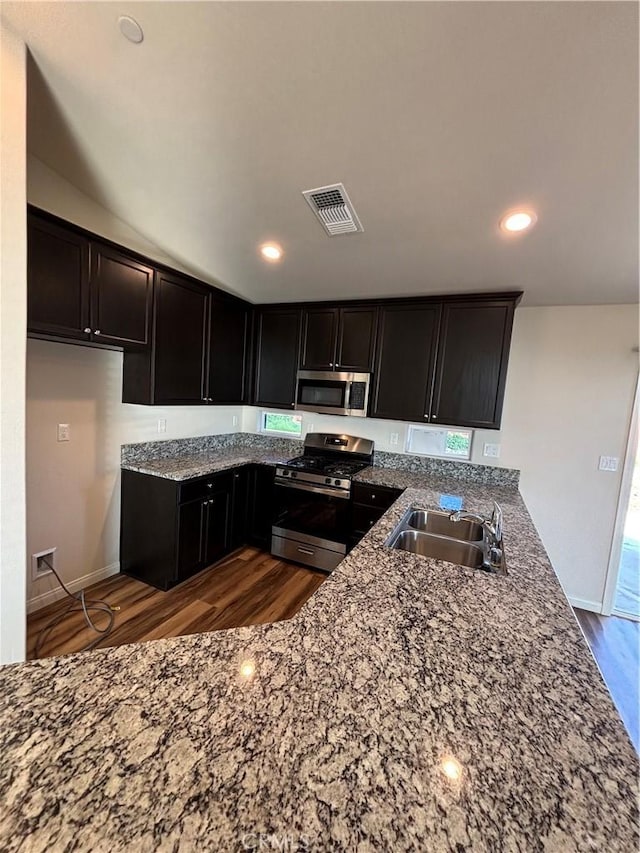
[
  {"x": 187, "y": 466},
  {"x": 410, "y": 705}
]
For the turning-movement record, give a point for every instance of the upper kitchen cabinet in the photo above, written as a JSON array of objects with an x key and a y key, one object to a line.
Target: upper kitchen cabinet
[
  {"x": 277, "y": 347},
  {"x": 403, "y": 376},
  {"x": 57, "y": 280},
  {"x": 172, "y": 371},
  {"x": 121, "y": 297},
  {"x": 338, "y": 338},
  {"x": 471, "y": 367},
  {"x": 83, "y": 290},
  {"x": 228, "y": 350}
]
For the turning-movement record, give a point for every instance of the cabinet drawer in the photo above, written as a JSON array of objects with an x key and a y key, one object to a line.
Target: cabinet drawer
[
  {"x": 192, "y": 490},
  {"x": 378, "y": 496}
]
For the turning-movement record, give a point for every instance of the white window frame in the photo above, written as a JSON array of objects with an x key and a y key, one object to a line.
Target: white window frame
[
  {"x": 421, "y": 428},
  {"x": 281, "y": 433}
]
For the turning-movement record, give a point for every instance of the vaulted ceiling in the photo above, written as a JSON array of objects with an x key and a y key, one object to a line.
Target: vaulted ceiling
[{"x": 437, "y": 117}]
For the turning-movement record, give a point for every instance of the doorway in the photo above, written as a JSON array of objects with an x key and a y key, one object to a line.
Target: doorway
[
  {"x": 627, "y": 598},
  {"x": 622, "y": 589}
]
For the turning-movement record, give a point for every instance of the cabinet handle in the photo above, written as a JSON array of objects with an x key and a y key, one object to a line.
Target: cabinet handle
[
  {"x": 88, "y": 330},
  {"x": 209, "y": 485},
  {"x": 373, "y": 497},
  {"x": 306, "y": 551},
  {"x": 97, "y": 332}
]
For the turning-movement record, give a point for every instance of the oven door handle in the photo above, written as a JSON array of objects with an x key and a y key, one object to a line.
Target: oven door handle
[{"x": 318, "y": 490}]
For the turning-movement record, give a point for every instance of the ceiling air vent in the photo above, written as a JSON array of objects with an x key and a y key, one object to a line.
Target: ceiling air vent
[{"x": 333, "y": 208}]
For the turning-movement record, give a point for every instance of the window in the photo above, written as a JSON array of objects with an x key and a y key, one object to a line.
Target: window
[
  {"x": 446, "y": 443},
  {"x": 281, "y": 424}
]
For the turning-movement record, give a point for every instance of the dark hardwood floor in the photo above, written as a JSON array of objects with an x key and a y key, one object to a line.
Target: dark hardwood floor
[
  {"x": 615, "y": 644},
  {"x": 250, "y": 587}
]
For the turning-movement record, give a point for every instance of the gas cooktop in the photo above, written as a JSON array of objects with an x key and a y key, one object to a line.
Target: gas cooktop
[{"x": 326, "y": 465}]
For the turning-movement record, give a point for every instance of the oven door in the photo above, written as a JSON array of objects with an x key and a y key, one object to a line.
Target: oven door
[{"x": 316, "y": 518}]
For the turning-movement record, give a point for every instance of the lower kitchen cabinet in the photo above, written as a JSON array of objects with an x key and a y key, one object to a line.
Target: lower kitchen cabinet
[
  {"x": 171, "y": 530},
  {"x": 369, "y": 504}
]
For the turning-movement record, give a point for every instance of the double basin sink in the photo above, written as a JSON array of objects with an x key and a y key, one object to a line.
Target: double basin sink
[{"x": 430, "y": 533}]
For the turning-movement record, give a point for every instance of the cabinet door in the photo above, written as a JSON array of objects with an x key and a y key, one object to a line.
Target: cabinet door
[
  {"x": 356, "y": 338},
  {"x": 472, "y": 364},
  {"x": 407, "y": 337},
  {"x": 228, "y": 339},
  {"x": 277, "y": 347},
  {"x": 121, "y": 297},
  {"x": 260, "y": 506},
  {"x": 239, "y": 507},
  {"x": 319, "y": 336},
  {"x": 217, "y": 527},
  {"x": 180, "y": 324},
  {"x": 191, "y": 538},
  {"x": 57, "y": 280}
]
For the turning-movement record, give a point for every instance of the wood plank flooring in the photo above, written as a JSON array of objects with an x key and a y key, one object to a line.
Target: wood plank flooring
[
  {"x": 250, "y": 587},
  {"x": 615, "y": 644}
]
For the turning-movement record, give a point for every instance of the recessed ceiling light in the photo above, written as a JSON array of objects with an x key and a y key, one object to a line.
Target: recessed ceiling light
[
  {"x": 130, "y": 29},
  {"x": 518, "y": 220},
  {"x": 271, "y": 252}
]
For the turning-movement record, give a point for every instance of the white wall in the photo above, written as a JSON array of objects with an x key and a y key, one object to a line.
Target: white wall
[
  {"x": 13, "y": 291},
  {"x": 73, "y": 489},
  {"x": 569, "y": 396},
  {"x": 568, "y": 399}
]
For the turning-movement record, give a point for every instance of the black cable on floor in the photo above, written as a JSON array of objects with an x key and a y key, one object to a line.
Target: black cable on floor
[{"x": 86, "y": 604}]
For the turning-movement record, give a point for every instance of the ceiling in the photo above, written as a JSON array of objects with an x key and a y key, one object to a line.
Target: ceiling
[{"x": 437, "y": 117}]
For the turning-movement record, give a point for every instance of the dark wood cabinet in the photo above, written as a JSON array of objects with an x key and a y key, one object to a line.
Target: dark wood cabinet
[
  {"x": 338, "y": 338},
  {"x": 57, "y": 281},
  {"x": 228, "y": 351},
  {"x": 368, "y": 505},
  {"x": 407, "y": 339},
  {"x": 471, "y": 366},
  {"x": 85, "y": 291},
  {"x": 172, "y": 371},
  {"x": 260, "y": 506},
  {"x": 121, "y": 298},
  {"x": 241, "y": 483},
  {"x": 277, "y": 347},
  {"x": 356, "y": 339},
  {"x": 319, "y": 335},
  {"x": 169, "y": 530}
]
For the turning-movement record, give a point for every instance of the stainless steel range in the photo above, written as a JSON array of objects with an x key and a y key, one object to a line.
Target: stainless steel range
[{"x": 312, "y": 495}]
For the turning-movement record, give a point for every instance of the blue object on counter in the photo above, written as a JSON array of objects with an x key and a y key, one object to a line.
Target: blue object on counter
[{"x": 451, "y": 502}]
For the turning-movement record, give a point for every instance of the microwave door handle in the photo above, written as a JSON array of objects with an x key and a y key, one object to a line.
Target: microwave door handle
[{"x": 347, "y": 394}]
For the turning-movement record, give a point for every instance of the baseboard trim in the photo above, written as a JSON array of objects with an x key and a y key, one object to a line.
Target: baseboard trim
[
  {"x": 40, "y": 601},
  {"x": 583, "y": 604}
]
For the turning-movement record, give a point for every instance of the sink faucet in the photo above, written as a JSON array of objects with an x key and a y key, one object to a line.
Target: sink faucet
[{"x": 493, "y": 531}]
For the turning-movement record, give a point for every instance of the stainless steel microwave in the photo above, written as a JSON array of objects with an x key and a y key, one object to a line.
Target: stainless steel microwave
[{"x": 333, "y": 393}]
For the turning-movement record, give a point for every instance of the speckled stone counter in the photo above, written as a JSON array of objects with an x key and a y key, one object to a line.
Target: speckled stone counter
[{"x": 410, "y": 705}]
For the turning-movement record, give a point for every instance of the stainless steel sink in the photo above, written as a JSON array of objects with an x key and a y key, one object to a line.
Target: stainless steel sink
[
  {"x": 440, "y": 548},
  {"x": 430, "y": 533},
  {"x": 430, "y": 521}
]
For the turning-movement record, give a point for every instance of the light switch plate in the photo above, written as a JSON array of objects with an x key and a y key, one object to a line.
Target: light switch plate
[
  {"x": 394, "y": 438},
  {"x": 608, "y": 463},
  {"x": 64, "y": 434},
  {"x": 491, "y": 450},
  {"x": 162, "y": 424}
]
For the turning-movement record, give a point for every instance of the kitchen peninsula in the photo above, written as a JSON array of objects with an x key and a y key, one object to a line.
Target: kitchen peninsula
[{"x": 411, "y": 704}]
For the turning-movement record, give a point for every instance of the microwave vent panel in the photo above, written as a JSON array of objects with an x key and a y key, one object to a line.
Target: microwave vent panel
[{"x": 333, "y": 207}]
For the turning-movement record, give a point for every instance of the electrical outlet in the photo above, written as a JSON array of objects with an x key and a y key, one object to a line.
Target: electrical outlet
[
  {"x": 38, "y": 566},
  {"x": 491, "y": 450},
  {"x": 394, "y": 437},
  {"x": 608, "y": 463},
  {"x": 64, "y": 433},
  {"x": 234, "y": 420},
  {"x": 162, "y": 424}
]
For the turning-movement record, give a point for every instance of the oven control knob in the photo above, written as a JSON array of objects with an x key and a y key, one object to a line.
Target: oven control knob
[
  {"x": 337, "y": 482},
  {"x": 327, "y": 480},
  {"x": 293, "y": 474},
  {"x": 285, "y": 473}
]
